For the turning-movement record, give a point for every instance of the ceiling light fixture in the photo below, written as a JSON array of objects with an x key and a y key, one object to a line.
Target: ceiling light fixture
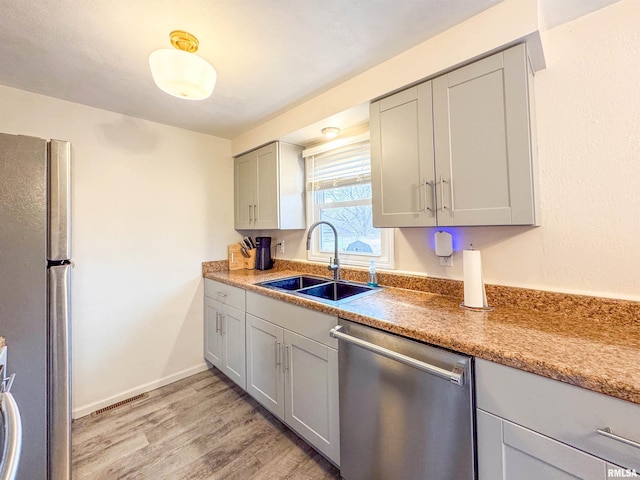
[
  {"x": 330, "y": 132},
  {"x": 179, "y": 72}
]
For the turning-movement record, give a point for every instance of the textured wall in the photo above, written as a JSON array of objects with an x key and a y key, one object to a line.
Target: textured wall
[
  {"x": 146, "y": 213},
  {"x": 588, "y": 120}
]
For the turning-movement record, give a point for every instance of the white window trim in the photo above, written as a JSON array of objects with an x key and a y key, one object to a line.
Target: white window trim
[{"x": 385, "y": 260}]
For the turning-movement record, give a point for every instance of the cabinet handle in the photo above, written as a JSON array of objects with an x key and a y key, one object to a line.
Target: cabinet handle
[
  {"x": 217, "y": 322},
  {"x": 278, "y": 354},
  {"x": 223, "y": 318},
  {"x": 425, "y": 184},
  {"x": 220, "y": 294},
  {"x": 250, "y": 219},
  {"x": 606, "y": 432},
  {"x": 428, "y": 184},
  {"x": 255, "y": 215},
  {"x": 442, "y": 182},
  {"x": 286, "y": 358}
]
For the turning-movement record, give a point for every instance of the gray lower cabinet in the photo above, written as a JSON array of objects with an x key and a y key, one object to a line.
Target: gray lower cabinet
[
  {"x": 531, "y": 427},
  {"x": 294, "y": 374},
  {"x": 458, "y": 149},
  {"x": 507, "y": 451},
  {"x": 224, "y": 330},
  {"x": 265, "y": 373}
]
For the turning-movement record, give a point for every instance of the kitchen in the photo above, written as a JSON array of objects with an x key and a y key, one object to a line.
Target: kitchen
[{"x": 142, "y": 330}]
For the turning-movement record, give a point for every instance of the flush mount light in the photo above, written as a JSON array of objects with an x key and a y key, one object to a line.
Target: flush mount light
[
  {"x": 330, "y": 132},
  {"x": 179, "y": 71}
]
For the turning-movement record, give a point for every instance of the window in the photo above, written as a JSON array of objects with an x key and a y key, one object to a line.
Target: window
[{"x": 339, "y": 192}]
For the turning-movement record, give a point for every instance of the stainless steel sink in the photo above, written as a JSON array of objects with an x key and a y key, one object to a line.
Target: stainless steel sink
[
  {"x": 336, "y": 291},
  {"x": 294, "y": 283},
  {"x": 320, "y": 289}
]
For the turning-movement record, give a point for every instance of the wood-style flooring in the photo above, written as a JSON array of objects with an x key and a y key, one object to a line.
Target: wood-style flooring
[{"x": 202, "y": 427}]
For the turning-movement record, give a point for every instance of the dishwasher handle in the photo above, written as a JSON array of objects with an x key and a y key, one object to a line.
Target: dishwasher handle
[{"x": 455, "y": 376}]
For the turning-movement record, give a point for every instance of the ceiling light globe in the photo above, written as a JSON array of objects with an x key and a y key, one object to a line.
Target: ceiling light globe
[
  {"x": 330, "y": 132},
  {"x": 182, "y": 74}
]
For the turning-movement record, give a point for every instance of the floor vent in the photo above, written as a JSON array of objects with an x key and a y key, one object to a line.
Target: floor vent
[{"x": 119, "y": 404}]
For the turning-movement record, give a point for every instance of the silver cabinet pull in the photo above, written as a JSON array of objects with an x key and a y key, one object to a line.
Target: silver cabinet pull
[
  {"x": 255, "y": 215},
  {"x": 606, "y": 432},
  {"x": 278, "y": 354},
  {"x": 286, "y": 358},
  {"x": 442, "y": 182},
  {"x": 221, "y": 294},
  {"x": 13, "y": 439},
  {"x": 250, "y": 219},
  {"x": 217, "y": 322},
  {"x": 426, "y": 184},
  {"x": 456, "y": 376}
]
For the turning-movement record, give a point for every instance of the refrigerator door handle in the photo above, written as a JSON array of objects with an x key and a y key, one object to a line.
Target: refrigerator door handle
[
  {"x": 60, "y": 372},
  {"x": 13, "y": 436},
  {"x": 59, "y": 245}
]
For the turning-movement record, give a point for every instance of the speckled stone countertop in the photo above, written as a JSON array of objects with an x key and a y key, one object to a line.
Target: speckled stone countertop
[
  {"x": 1, "y": 342},
  {"x": 592, "y": 343}
]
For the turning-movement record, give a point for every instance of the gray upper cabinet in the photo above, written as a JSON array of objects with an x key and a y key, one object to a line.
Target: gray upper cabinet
[
  {"x": 269, "y": 188},
  {"x": 473, "y": 126},
  {"x": 402, "y": 173}
]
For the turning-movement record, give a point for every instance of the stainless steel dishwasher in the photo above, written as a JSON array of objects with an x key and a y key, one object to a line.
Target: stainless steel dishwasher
[{"x": 406, "y": 408}]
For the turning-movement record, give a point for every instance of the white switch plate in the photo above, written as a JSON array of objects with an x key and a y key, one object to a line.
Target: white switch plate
[
  {"x": 281, "y": 246},
  {"x": 447, "y": 261}
]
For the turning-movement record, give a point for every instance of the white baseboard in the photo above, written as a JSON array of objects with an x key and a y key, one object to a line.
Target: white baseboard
[{"x": 147, "y": 387}]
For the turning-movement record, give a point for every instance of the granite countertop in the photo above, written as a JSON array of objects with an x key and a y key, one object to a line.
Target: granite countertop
[
  {"x": 1, "y": 342},
  {"x": 593, "y": 353}
]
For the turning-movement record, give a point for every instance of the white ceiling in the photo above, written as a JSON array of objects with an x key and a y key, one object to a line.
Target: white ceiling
[{"x": 269, "y": 54}]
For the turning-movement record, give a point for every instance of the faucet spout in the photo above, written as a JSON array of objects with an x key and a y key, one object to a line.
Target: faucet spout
[{"x": 334, "y": 263}]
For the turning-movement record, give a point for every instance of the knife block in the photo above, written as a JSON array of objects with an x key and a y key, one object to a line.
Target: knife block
[{"x": 237, "y": 261}]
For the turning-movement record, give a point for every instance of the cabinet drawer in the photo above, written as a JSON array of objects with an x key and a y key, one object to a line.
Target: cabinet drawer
[
  {"x": 561, "y": 411},
  {"x": 306, "y": 322},
  {"x": 223, "y": 293}
]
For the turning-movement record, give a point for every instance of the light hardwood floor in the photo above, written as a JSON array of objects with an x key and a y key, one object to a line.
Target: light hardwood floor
[{"x": 202, "y": 427}]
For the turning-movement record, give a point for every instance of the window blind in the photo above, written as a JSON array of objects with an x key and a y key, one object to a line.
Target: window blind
[{"x": 347, "y": 165}]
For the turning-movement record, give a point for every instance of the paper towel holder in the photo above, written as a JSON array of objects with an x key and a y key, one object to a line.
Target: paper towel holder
[{"x": 486, "y": 307}]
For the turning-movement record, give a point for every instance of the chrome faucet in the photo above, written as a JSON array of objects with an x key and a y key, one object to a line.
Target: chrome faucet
[{"x": 334, "y": 263}]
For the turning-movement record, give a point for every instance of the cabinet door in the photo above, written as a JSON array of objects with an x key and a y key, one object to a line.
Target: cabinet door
[
  {"x": 507, "y": 451},
  {"x": 482, "y": 142},
  {"x": 233, "y": 345},
  {"x": 311, "y": 393},
  {"x": 264, "y": 359},
  {"x": 402, "y": 165},
  {"x": 266, "y": 206},
  {"x": 212, "y": 338},
  {"x": 244, "y": 186}
]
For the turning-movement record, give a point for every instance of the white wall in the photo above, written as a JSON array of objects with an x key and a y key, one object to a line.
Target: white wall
[
  {"x": 146, "y": 213},
  {"x": 507, "y": 23},
  {"x": 588, "y": 119}
]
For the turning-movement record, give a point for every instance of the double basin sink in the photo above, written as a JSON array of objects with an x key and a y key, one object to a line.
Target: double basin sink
[{"x": 333, "y": 292}]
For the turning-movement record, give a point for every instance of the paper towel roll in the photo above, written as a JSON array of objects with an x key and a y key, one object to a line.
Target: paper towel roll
[{"x": 474, "y": 293}]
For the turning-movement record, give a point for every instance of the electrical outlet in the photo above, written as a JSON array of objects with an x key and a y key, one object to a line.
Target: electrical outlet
[
  {"x": 281, "y": 246},
  {"x": 447, "y": 261}
]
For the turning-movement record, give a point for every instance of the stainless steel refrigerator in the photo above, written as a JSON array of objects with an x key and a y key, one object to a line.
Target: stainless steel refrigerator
[{"x": 35, "y": 271}]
